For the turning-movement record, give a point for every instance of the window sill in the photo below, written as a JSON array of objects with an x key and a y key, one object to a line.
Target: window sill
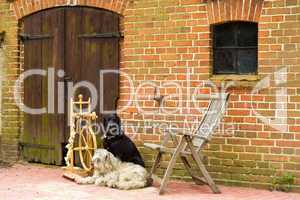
[
  {"x": 234, "y": 77},
  {"x": 239, "y": 80}
]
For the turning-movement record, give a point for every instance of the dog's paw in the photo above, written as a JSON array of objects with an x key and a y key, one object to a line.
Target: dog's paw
[
  {"x": 111, "y": 184},
  {"x": 100, "y": 182},
  {"x": 86, "y": 180},
  {"x": 78, "y": 180}
]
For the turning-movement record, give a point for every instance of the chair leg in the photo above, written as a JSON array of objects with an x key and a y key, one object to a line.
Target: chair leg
[
  {"x": 201, "y": 166},
  {"x": 156, "y": 163},
  {"x": 171, "y": 165}
]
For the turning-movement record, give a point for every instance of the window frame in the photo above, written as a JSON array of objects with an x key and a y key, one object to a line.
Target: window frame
[{"x": 235, "y": 48}]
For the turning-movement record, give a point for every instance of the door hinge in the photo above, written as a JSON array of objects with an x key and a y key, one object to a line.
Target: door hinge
[
  {"x": 36, "y": 146},
  {"x": 101, "y": 35},
  {"x": 24, "y": 37}
]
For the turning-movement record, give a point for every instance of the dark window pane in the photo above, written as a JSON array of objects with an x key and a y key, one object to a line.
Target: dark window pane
[
  {"x": 247, "y": 34},
  {"x": 247, "y": 61},
  {"x": 235, "y": 48},
  {"x": 224, "y": 61},
  {"x": 224, "y": 35}
]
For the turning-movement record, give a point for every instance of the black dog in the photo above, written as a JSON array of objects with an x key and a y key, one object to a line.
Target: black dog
[{"x": 116, "y": 142}]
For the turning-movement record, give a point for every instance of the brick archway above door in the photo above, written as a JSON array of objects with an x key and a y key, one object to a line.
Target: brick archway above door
[{"x": 23, "y": 8}]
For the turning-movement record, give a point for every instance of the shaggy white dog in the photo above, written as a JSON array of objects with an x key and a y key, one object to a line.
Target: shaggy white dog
[{"x": 110, "y": 171}]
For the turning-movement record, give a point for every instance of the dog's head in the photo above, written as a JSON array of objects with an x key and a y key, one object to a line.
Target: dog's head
[
  {"x": 103, "y": 161},
  {"x": 112, "y": 126}
]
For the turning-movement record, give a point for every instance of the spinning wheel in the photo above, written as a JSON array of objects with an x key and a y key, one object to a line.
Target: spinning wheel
[{"x": 82, "y": 137}]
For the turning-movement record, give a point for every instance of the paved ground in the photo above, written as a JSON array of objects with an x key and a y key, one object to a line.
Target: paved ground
[{"x": 34, "y": 182}]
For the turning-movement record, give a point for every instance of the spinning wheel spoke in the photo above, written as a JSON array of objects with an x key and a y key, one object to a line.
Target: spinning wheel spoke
[
  {"x": 85, "y": 155},
  {"x": 82, "y": 135},
  {"x": 90, "y": 154}
]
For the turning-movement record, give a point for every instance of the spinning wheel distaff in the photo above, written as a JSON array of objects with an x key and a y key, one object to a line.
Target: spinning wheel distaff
[{"x": 82, "y": 136}]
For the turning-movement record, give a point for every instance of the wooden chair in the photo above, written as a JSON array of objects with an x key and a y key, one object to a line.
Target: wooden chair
[{"x": 192, "y": 144}]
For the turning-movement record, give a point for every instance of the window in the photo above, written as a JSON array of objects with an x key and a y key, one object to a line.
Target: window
[{"x": 235, "y": 48}]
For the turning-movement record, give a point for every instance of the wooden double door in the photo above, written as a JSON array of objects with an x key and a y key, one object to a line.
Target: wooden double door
[{"x": 70, "y": 45}]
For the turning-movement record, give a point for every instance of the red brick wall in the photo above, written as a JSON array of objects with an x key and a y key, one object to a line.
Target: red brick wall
[
  {"x": 164, "y": 39},
  {"x": 10, "y": 126}
]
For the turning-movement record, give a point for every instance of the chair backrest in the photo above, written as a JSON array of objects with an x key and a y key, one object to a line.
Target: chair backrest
[{"x": 211, "y": 119}]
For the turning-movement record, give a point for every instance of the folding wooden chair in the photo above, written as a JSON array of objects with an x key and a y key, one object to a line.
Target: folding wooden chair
[{"x": 192, "y": 144}]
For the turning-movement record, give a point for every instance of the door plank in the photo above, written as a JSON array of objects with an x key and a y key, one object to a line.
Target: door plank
[
  {"x": 52, "y": 56},
  {"x": 32, "y": 87}
]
